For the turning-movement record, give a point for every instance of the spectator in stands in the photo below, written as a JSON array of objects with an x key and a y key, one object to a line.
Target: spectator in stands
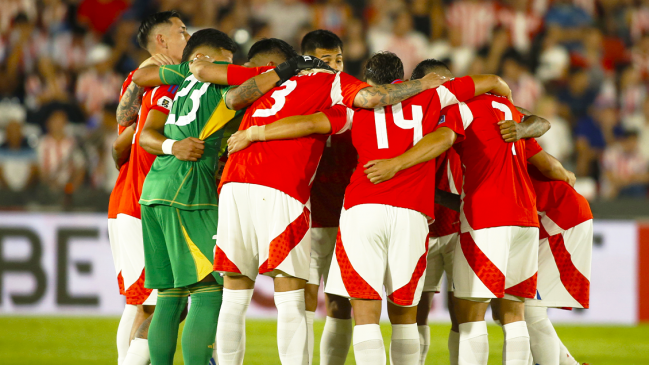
[
  {"x": 554, "y": 59},
  {"x": 100, "y": 145},
  {"x": 558, "y": 141},
  {"x": 285, "y": 17},
  {"x": 521, "y": 22},
  {"x": 47, "y": 84},
  {"x": 639, "y": 122},
  {"x": 625, "y": 169},
  {"x": 525, "y": 88},
  {"x": 473, "y": 20},
  {"x": 70, "y": 49},
  {"x": 99, "y": 15},
  {"x": 567, "y": 21},
  {"x": 578, "y": 96},
  {"x": 593, "y": 134},
  {"x": 640, "y": 56},
  {"x": 332, "y": 15},
  {"x": 60, "y": 161},
  {"x": 96, "y": 86},
  {"x": 632, "y": 93},
  {"x": 356, "y": 51},
  {"x": 18, "y": 169}
]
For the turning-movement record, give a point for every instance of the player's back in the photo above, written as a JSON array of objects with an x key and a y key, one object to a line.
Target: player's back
[
  {"x": 448, "y": 178},
  {"x": 289, "y": 165},
  {"x": 497, "y": 188}
]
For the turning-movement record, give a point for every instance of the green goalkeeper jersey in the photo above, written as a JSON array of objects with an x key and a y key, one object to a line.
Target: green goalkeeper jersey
[{"x": 198, "y": 111}]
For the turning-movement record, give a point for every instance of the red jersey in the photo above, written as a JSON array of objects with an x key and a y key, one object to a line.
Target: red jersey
[
  {"x": 449, "y": 179},
  {"x": 388, "y": 132},
  {"x": 558, "y": 200},
  {"x": 290, "y": 165},
  {"x": 334, "y": 172},
  {"x": 116, "y": 194},
  {"x": 497, "y": 190},
  {"x": 140, "y": 161}
]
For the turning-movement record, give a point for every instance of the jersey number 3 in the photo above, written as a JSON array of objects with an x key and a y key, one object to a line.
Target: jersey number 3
[{"x": 397, "y": 114}]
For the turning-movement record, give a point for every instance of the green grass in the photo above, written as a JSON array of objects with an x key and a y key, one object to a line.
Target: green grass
[{"x": 62, "y": 340}]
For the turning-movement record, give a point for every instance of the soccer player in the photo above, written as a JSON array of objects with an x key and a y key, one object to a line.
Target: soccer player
[
  {"x": 164, "y": 35},
  {"x": 497, "y": 256},
  {"x": 369, "y": 208},
  {"x": 327, "y": 193},
  {"x": 179, "y": 200},
  {"x": 249, "y": 241}
]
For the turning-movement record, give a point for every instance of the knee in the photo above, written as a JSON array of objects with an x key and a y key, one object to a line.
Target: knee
[{"x": 338, "y": 307}]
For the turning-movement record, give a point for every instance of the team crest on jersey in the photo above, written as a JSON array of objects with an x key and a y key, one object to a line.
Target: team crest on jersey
[
  {"x": 165, "y": 102},
  {"x": 441, "y": 120}
]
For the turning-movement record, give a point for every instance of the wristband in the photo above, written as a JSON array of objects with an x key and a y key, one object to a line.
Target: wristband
[
  {"x": 256, "y": 133},
  {"x": 167, "y": 146}
]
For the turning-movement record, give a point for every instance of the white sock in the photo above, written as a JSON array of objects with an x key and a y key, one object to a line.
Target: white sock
[
  {"x": 310, "y": 334},
  {"x": 231, "y": 329},
  {"x": 453, "y": 346},
  {"x": 544, "y": 342},
  {"x": 124, "y": 331},
  {"x": 473, "y": 348},
  {"x": 565, "y": 358},
  {"x": 424, "y": 343},
  {"x": 291, "y": 328},
  {"x": 335, "y": 341},
  {"x": 516, "y": 350},
  {"x": 404, "y": 344},
  {"x": 138, "y": 352},
  {"x": 368, "y": 345}
]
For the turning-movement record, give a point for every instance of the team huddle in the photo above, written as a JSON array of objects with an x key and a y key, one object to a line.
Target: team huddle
[{"x": 374, "y": 188}]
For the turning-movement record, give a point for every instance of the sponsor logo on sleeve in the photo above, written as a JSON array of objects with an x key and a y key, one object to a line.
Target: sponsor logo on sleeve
[{"x": 165, "y": 102}]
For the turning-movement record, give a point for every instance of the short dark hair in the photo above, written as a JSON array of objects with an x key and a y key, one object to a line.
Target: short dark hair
[
  {"x": 427, "y": 66},
  {"x": 272, "y": 45},
  {"x": 150, "y": 22},
  {"x": 383, "y": 68},
  {"x": 208, "y": 37},
  {"x": 322, "y": 39}
]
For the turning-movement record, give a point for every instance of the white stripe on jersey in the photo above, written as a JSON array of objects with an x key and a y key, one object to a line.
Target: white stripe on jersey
[
  {"x": 446, "y": 97},
  {"x": 466, "y": 114},
  {"x": 336, "y": 91}
]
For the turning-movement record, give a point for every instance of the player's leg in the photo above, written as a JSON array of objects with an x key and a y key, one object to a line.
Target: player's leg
[
  {"x": 292, "y": 341},
  {"x": 449, "y": 255},
  {"x": 231, "y": 329},
  {"x": 516, "y": 348},
  {"x": 404, "y": 281},
  {"x": 338, "y": 329},
  {"x": 198, "y": 339},
  {"x": 368, "y": 340},
  {"x": 138, "y": 351},
  {"x": 432, "y": 284},
  {"x": 544, "y": 342},
  {"x": 128, "y": 315},
  {"x": 453, "y": 343},
  {"x": 143, "y": 312}
]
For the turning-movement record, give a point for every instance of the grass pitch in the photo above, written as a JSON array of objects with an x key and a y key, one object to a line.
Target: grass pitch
[{"x": 91, "y": 341}]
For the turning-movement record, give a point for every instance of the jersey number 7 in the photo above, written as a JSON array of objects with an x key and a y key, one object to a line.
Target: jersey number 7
[
  {"x": 397, "y": 114},
  {"x": 508, "y": 116}
]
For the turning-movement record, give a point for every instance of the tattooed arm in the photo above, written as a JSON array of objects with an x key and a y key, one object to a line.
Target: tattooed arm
[
  {"x": 532, "y": 126},
  {"x": 129, "y": 105},
  {"x": 382, "y": 95},
  {"x": 251, "y": 90}
]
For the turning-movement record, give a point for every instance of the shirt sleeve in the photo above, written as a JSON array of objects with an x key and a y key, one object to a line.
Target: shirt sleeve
[
  {"x": 340, "y": 118},
  {"x": 455, "y": 119},
  {"x": 349, "y": 87},
  {"x": 174, "y": 74},
  {"x": 237, "y": 75},
  {"x": 455, "y": 91},
  {"x": 532, "y": 147},
  {"x": 162, "y": 98}
]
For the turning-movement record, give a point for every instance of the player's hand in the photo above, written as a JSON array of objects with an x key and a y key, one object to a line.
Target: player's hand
[
  {"x": 510, "y": 130},
  {"x": 290, "y": 68},
  {"x": 157, "y": 59},
  {"x": 379, "y": 171},
  {"x": 188, "y": 149},
  {"x": 238, "y": 142},
  {"x": 572, "y": 179},
  {"x": 197, "y": 64},
  {"x": 433, "y": 80}
]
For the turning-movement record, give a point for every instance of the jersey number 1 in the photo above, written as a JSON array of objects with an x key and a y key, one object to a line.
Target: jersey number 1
[
  {"x": 397, "y": 114},
  {"x": 508, "y": 116}
]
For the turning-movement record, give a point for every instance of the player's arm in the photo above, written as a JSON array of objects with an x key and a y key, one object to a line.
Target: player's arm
[
  {"x": 449, "y": 200},
  {"x": 382, "y": 95},
  {"x": 285, "y": 128},
  {"x": 147, "y": 75},
  {"x": 251, "y": 90},
  {"x": 432, "y": 145},
  {"x": 154, "y": 141},
  {"x": 491, "y": 84},
  {"x": 551, "y": 168},
  {"x": 122, "y": 146},
  {"x": 532, "y": 126},
  {"x": 129, "y": 105}
]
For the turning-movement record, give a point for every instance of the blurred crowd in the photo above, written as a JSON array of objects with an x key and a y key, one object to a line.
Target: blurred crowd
[{"x": 582, "y": 64}]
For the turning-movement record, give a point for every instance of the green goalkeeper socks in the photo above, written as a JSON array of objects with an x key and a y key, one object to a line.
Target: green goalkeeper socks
[
  {"x": 163, "y": 332},
  {"x": 200, "y": 327}
]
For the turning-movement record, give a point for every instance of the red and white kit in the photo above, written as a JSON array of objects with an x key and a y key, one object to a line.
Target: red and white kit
[
  {"x": 445, "y": 230},
  {"x": 498, "y": 249},
  {"x": 254, "y": 236},
  {"x": 129, "y": 225},
  {"x": 336, "y": 167},
  {"x": 383, "y": 239},
  {"x": 566, "y": 245}
]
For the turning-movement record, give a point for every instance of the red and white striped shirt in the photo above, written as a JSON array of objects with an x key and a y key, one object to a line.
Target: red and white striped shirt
[
  {"x": 521, "y": 26},
  {"x": 475, "y": 21},
  {"x": 526, "y": 91}
]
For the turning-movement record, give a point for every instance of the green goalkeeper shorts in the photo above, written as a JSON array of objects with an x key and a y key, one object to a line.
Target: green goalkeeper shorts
[{"x": 178, "y": 246}]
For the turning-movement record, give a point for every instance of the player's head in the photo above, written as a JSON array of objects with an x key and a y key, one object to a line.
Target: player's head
[
  {"x": 163, "y": 32},
  {"x": 269, "y": 52},
  {"x": 431, "y": 65},
  {"x": 383, "y": 68},
  {"x": 324, "y": 45},
  {"x": 212, "y": 43}
]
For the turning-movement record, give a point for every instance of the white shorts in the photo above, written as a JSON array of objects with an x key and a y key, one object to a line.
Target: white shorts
[
  {"x": 262, "y": 230},
  {"x": 564, "y": 266},
  {"x": 380, "y": 246},
  {"x": 492, "y": 262},
  {"x": 323, "y": 242},
  {"x": 440, "y": 261},
  {"x": 131, "y": 256},
  {"x": 114, "y": 249}
]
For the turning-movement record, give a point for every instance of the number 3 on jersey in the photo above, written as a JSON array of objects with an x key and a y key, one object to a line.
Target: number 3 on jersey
[
  {"x": 397, "y": 114},
  {"x": 280, "y": 99},
  {"x": 508, "y": 116}
]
